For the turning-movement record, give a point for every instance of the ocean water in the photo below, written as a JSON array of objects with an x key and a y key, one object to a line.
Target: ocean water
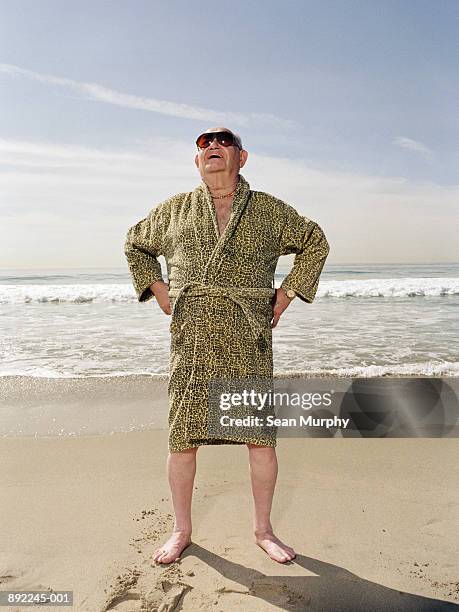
[{"x": 367, "y": 320}]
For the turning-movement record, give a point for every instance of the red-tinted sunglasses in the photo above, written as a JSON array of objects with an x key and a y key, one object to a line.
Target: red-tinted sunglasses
[{"x": 226, "y": 139}]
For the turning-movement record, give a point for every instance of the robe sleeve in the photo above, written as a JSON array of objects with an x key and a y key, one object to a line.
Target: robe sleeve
[
  {"x": 144, "y": 243},
  {"x": 307, "y": 240}
]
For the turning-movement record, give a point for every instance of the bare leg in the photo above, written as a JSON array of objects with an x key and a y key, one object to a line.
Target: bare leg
[
  {"x": 181, "y": 469},
  {"x": 263, "y": 474}
]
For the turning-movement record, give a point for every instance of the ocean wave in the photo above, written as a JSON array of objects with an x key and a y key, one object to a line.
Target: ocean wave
[
  {"x": 124, "y": 293},
  {"x": 71, "y": 293},
  {"x": 38, "y": 372},
  {"x": 390, "y": 287},
  {"x": 427, "y": 368}
]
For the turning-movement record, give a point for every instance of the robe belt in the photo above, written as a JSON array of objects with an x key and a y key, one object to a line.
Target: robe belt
[{"x": 236, "y": 294}]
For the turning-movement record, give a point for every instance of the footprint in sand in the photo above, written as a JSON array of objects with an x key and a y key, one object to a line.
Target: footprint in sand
[
  {"x": 122, "y": 592},
  {"x": 276, "y": 593},
  {"x": 133, "y": 591},
  {"x": 165, "y": 596},
  {"x": 7, "y": 578}
]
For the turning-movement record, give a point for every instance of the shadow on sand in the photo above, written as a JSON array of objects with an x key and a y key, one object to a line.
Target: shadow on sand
[{"x": 333, "y": 588}]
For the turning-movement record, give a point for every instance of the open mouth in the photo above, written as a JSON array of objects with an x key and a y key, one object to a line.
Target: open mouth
[{"x": 215, "y": 156}]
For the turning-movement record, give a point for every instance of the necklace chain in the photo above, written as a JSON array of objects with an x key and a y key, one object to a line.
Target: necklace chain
[{"x": 225, "y": 196}]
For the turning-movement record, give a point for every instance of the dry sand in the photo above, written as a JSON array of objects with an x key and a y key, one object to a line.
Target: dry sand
[{"x": 374, "y": 523}]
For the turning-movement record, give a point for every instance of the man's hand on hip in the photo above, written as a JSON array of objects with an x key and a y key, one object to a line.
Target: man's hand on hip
[
  {"x": 160, "y": 290},
  {"x": 280, "y": 303}
]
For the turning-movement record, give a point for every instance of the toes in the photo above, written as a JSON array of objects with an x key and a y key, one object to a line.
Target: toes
[
  {"x": 278, "y": 551},
  {"x": 288, "y": 550},
  {"x": 159, "y": 556},
  {"x": 167, "y": 557},
  {"x": 287, "y": 556}
]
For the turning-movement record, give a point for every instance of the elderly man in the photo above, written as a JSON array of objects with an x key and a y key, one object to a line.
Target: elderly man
[{"x": 221, "y": 243}]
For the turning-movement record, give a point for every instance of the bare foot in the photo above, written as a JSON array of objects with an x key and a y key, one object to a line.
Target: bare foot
[
  {"x": 173, "y": 548},
  {"x": 277, "y": 550}
]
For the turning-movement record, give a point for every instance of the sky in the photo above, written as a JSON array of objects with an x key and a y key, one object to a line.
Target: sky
[{"x": 348, "y": 111}]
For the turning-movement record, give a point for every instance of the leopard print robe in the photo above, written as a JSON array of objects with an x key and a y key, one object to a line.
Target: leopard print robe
[{"x": 221, "y": 289}]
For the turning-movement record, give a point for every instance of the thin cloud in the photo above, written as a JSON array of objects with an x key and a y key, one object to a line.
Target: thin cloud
[
  {"x": 95, "y": 91},
  {"x": 413, "y": 145}
]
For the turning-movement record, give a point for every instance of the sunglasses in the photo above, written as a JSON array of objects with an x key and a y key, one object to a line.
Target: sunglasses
[{"x": 226, "y": 139}]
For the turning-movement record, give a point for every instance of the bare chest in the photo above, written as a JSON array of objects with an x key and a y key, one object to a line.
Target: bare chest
[{"x": 223, "y": 213}]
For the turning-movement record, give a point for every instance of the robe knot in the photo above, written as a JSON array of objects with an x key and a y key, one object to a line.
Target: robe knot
[{"x": 238, "y": 295}]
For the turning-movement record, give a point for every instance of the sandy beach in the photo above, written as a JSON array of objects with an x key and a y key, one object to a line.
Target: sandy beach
[{"x": 374, "y": 522}]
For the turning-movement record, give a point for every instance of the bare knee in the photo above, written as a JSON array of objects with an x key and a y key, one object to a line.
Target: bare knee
[{"x": 261, "y": 453}]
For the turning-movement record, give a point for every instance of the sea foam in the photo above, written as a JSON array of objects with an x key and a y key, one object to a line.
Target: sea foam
[{"x": 124, "y": 292}]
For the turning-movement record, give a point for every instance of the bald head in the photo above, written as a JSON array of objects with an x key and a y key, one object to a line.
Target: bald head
[{"x": 225, "y": 129}]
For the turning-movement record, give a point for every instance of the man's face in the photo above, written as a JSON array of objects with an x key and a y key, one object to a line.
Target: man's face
[{"x": 219, "y": 159}]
